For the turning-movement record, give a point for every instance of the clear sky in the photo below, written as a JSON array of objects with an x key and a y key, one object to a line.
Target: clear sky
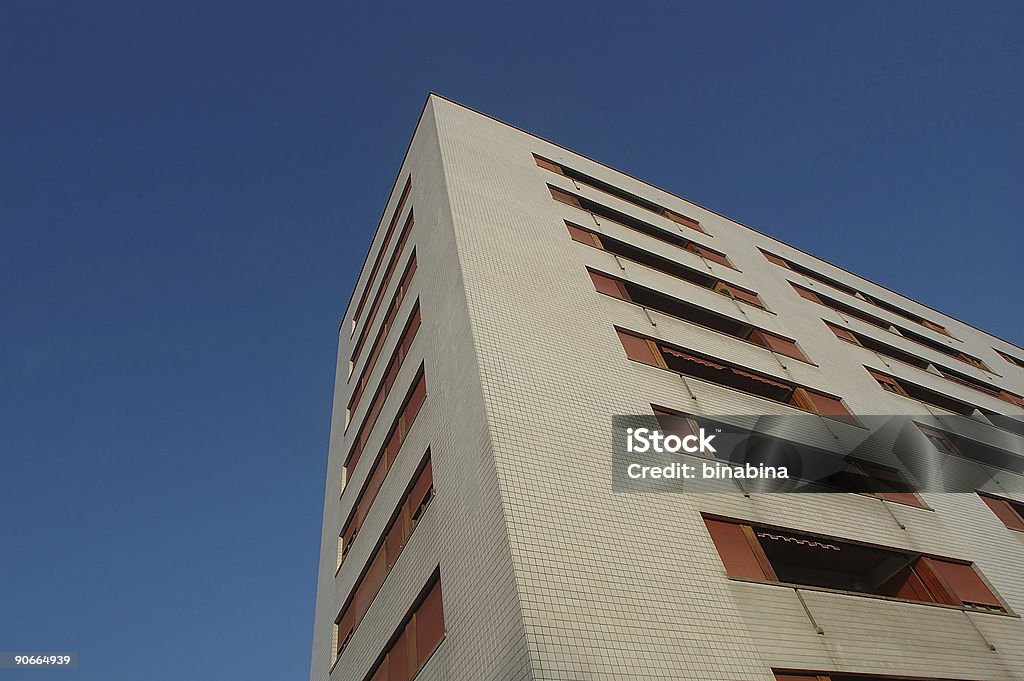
[{"x": 188, "y": 188}]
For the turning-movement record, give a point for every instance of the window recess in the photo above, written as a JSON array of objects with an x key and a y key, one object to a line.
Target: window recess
[
  {"x": 399, "y": 429},
  {"x": 383, "y": 249},
  {"x": 394, "y": 366},
  {"x": 673, "y": 307},
  {"x": 901, "y": 386},
  {"x": 628, "y": 221},
  {"x": 798, "y": 559},
  {"x": 850, "y": 290},
  {"x": 685, "y": 362},
  {"x": 867, "y": 318},
  {"x": 854, "y": 476},
  {"x": 1010, "y": 358},
  {"x": 415, "y": 501},
  {"x": 925, "y": 365},
  {"x": 389, "y": 318},
  {"x": 618, "y": 193},
  {"x": 630, "y": 252},
  {"x": 1009, "y": 511},
  {"x": 971, "y": 450},
  {"x": 646, "y": 258},
  {"x": 411, "y": 646}
]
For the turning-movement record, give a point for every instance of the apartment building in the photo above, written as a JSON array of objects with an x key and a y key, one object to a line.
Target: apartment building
[{"x": 517, "y": 296}]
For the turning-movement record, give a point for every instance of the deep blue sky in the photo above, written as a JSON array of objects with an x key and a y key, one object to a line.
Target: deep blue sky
[{"x": 188, "y": 189}]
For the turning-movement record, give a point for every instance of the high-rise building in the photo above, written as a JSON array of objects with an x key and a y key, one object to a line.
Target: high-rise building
[{"x": 517, "y": 296}]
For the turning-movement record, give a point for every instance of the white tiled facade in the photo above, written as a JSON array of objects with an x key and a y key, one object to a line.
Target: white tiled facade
[{"x": 547, "y": 574}]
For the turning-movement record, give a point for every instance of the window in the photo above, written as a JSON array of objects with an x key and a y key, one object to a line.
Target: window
[
  {"x": 416, "y": 640},
  {"x": 609, "y": 285},
  {"x": 939, "y": 440},
  {"x": 383, "y": 248},
  {"x": 842, "y": 334},
  {"x": 791, "y": 557},
  {"x": 875, "y": 480},
  {"x": 857, "y": 313},
  {"x": 888, "y": 383},
  {"x": 646, "y": 258},
  {"x": 972, "y": 450},
  {"x": 628, "y": 221},
  {"x": 680, "y": 309},
  {"x": 737, "y": 293},
  {"x": 389, "y": 318},
  {"x": 406, "y": 415},
  {"x": 925, "y": 365},
  {"x": 618, "y": 193},
  {"x": 396, "y": 536},
  {"x": 1010, "y": 358},
  {"x": 564, "y": 196},
  {"x": 394, "y": 366},
  {"x": 850, "y": 290},
  {"x": 656, "y": 353},
  {"x": 921, "y": 394},
  {"x": 774, "y": 259},
  {"x": 779, "y": 344},
  {"x": 1010, "y": 512},
  {"x": 708, "y": 254}
]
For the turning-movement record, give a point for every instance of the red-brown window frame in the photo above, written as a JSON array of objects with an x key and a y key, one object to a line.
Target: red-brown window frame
[
  {"x": 406, "y": 416},
  {"x": 383, "y": 249},
  {"x": 615, "y": 287},
  {"x": 418, "y": 495},
  {"x": 618, "y": 192},
  {"x": 1009, "y": 511},
  {"x": 801, "y": 397},
  {"x": 940, "y": 574}
]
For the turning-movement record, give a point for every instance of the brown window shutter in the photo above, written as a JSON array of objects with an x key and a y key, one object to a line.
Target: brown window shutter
[
  {"x": 842, "y": 333},
  {"x": 400, "y": 662},
  {"x": 349, "y": 533},
  {"x": 913, "y": 588},
  {"x": 682, "y": 220},
  {"x": 584, "y": 236},
  {"x": 608, "y": 285},
  {"x": 381, "y": 674},
  {"x": 548, "y": 165},
  {"x": 806, "y": 293},
  {"x": 965, "y": 583},
  {"x": 563, "y": 196},
  {"x": 936, "y": 327},
  {"x": 346, "y": 625},
  {"x": 369, "y": 492},
  {"x": 739, "y": 293},
  {"x": 1004, "y": 511},
  {"x": 936, "y": 586},
  {"x": 397, "y": 534},
  {"x": 638, "y": 349},
  {"x": 674, "y": 423},
  {"x": 394, "y": 443},
  {"x": 907, "y": 498},
  {"x": 708, "y": 254},
  {"x": 826, "y": 405},
  {"x": 421, "y": 488},
  {"x": 735, "y": 549},
  {"x": 429, "y": 624},
  {"x": 415, "y": 401},
  {"x": 887, "y": 382},
  {"x": 410, "y": 330},
  {"x": 774, "y": 259},
  {"x": 781, "y": 345}
]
